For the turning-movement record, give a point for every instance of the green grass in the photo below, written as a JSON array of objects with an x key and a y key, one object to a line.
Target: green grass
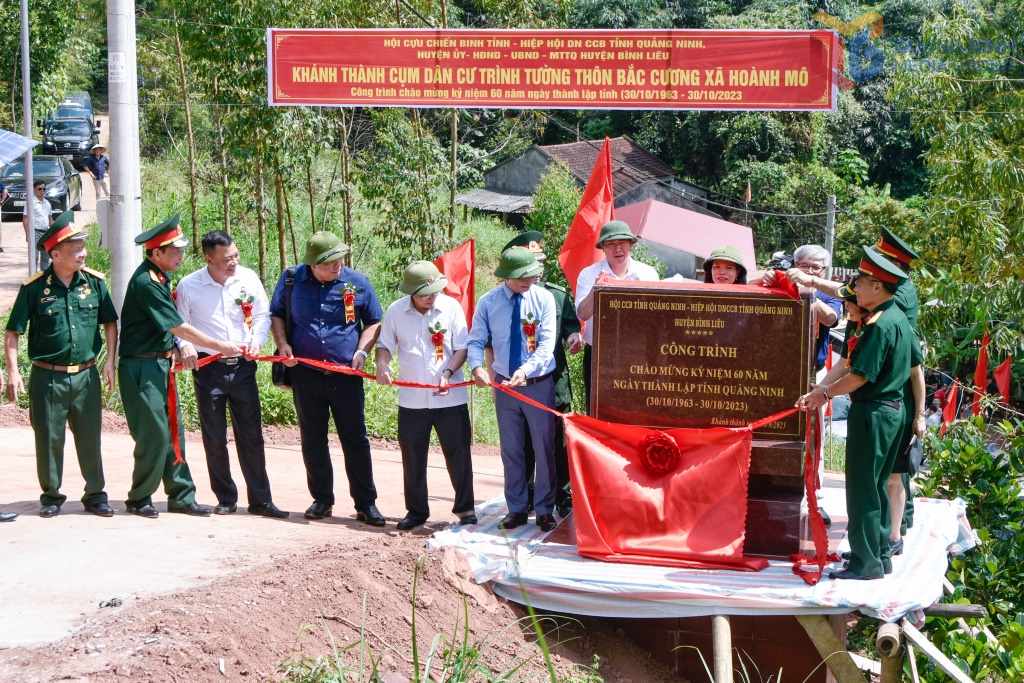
[{"x": 834, "y": 452}]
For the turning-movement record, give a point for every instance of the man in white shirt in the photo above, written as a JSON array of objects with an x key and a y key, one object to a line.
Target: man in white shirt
[
  {"x": 427, "y": 330},
  {"x": 38, "y": 217},
  {"x": 227, "y": 301},
  {"x": 616, "y": 240}
]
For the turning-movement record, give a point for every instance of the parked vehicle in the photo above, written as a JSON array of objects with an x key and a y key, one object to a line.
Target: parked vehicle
[
  {"x": 63, "y": 185},
  {"x": 70, "y": 138},
  {"x": 77, "y": 105}
]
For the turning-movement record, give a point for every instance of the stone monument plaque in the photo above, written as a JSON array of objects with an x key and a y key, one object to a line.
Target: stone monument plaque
[{"x": 697, "y": 356}]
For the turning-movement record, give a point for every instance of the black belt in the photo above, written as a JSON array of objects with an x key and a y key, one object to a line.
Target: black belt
[
  {"x": 895, "y": 405},
  {"x": 150, "y": 354},
  {"x": 70, "y": 369},
  {"x": 530, "y": 381},
  {"x": 233, "y": 360}
]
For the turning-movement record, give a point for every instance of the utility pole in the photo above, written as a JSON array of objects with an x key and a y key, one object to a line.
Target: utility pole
[
  {"x": 830, "y": 233},
  {"x": 125, "y": 211},
  {"x": 26, "y": 103}
]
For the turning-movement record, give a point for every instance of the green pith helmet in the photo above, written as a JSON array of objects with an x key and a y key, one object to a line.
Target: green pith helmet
[
  {"x": 324, "y": 247},
  {"x": 530, "y": 239},
  {"x": 890, "y": 245},
  {"x": 615, "y": 230},
  {"x": 167, "y": 234},
  {"x": 875, "y": 264},
  {"x": 846, "y": 293},
  {"x": 60, "y": 230},
  {"x": 517, "y": 263},
  {"x": 422, "y": 278},
  {"x": 730, "y": 254}
]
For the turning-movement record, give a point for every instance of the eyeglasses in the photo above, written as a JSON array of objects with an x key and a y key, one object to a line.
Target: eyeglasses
[{"x": 810, "y": 268}]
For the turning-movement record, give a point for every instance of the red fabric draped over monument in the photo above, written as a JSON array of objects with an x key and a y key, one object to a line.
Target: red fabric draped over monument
[{"x": 692, "y": 515}]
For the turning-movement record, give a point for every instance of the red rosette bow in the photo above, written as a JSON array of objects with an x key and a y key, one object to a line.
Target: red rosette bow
[
  {"x": 530, "y": 329},
  {"x": 851, "y": 344},
  {"x": 350, "y": 309},
  {"x": 247, "y": 313},
  {"x": 438, "y": 340},
  {"x": 659, "y": 454}
]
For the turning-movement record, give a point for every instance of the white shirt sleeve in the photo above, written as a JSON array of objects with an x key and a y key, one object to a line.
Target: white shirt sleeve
[
  {"x": 584, "y": 284},
  {"x": 459, "y": 329},
  {"x": 388, "y": 338}
]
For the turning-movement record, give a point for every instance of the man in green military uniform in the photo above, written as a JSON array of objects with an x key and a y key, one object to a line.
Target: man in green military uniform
[
  {"x": 567, "y": 335},
  {"x": 879, "y": 367},
  {"x": 63, "y": 307},
  {"x": 901, "y": 498},
  {"x": 149, "y": 325}
]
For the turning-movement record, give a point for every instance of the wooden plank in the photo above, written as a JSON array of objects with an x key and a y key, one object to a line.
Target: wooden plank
[
  {"x": 942, "y": 609},
  {"x": 832, "y": 652},
  {"x": 865, "y": 664},
  {"x": 721, "y": 638},
  {"x": 914, "y": 678},
  {"x": 892, "y": 668},
  {"x": 933, "y": 653},
  {"x": 838, "y": 622}
]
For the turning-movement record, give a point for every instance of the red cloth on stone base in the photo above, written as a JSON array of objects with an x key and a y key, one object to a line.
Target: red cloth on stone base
[{"x": 693, "y": 515}]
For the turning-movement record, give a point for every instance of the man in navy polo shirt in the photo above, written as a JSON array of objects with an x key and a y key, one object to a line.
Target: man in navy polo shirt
[{"x": 335, "y": 317}]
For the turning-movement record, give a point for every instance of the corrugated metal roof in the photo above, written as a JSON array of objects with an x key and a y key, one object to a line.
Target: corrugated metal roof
[
  {"x": 631, "y": 163},
  {"x": 488, "y": 200}
]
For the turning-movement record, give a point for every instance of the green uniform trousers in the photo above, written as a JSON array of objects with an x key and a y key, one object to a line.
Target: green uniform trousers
[
  {"x": 144, "y": 395},
  {"x": 57, "y": 399},
  {"x": 909, "y": 410},
  {"x": 873, "y": 440}
]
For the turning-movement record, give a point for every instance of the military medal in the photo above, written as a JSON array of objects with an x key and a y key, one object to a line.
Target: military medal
[
  {"x": 349, "y": 297},
  {"x": 46, "y": 291},
  {"x": 437, "y": 338}
]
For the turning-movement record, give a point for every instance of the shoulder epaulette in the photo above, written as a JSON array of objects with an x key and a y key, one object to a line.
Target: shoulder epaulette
[
  {"x": 35, "y": 277},
  {"x": 874, "y": 317},
  {"x": 95, "y": 273},
  {"x": 552, "y": 285},
  {"x": 154, "y": 277}
]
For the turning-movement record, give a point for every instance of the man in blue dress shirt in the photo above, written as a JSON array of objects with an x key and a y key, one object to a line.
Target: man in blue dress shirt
[
  {"x": 335, "y": 317},
  {"x": 519, "y": 318}
]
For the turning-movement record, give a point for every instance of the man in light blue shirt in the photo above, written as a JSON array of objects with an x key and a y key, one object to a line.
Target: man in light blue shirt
[{"x": 519, "y": 318}]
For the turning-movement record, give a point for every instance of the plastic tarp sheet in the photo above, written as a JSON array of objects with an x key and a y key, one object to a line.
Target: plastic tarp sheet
[{"x": 552, "y": 576}]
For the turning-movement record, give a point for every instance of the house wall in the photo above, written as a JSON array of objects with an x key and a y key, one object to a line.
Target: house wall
[
  {"x": 654, "y": 189},
  {"x": 518, "y": 176}
]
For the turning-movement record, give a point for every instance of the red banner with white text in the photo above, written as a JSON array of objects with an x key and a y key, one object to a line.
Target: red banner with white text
[{"x": 555, "y": 69}]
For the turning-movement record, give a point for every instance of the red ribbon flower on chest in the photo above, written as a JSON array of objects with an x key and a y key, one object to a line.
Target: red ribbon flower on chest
[
  {"x": 851, "y": 343},
  {"x": 349, "y": 297},
  {"x": 244, "y": 301},
  {"x": 437, "y": 339},
  {"x": 530, "y": 330}
]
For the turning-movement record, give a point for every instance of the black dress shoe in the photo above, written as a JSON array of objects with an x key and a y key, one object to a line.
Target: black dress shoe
[
  {"x": 896, "y": 547},
  {"x": 847, "y": 574},
  {"x": 225, "y": 509},
  {"x": 49, "y": 511},
  {"x": 147, "y": 511},
  {"x": 100, "y": 509},
  {"x": 410, "y": 521},
  {"x": 466, "y": 520},
  {"x": 319, "y": 510},
  {"x": 513, "y": 519},
  {"x": 268, "y": 510},
  {"x": 193, "y": 509},
  {"x": 371, "y": 515},
  {"x": 546, "y": 522},
  {"x": 565, "y": 509},
  {"x": 8, "y": 516},
  {"x": 824, "y": 516}
]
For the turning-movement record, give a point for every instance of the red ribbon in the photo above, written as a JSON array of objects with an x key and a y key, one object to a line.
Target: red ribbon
[
  {"x": 819, "y": 535},
  {"x": 172, "y": 419}
]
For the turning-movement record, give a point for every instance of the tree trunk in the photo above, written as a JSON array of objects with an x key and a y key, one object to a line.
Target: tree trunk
[
  {"x": 279, "y": 197},
  {"x": 224, "y": 184},
  {"x": 260, "y": 217},
  {"x": 346, "y": 178},
  {"x": 291, "y": 225},
  {"x": 193, "y": 190},
  {"x": 309, "y": 188},
  {"x": 455, "y": 143}
]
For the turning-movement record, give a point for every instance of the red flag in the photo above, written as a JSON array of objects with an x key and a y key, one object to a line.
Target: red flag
[
  {"x": 828, "y": 366},
  {"x": 949, "y": 411},
  {"x": 596, "y": 208},
  {"x": 1002, "y": 376},
  {"x": 459, "y": 267},
  {"x": 980, "y": 376}
]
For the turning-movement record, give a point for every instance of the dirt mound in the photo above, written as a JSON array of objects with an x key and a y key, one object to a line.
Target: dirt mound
[{"x": 310, "y": 605}]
